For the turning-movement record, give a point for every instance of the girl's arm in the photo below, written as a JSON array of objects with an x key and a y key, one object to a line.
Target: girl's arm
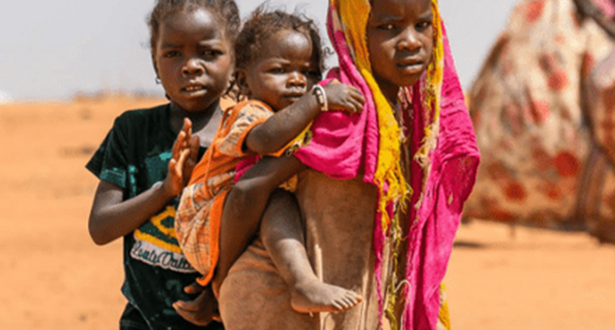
[
  {"x": 286, "y": 124},
  {"x": 113, "y": 217}
]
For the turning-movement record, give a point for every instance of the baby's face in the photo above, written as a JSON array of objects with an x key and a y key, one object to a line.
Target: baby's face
[
  {"x": 400, "y": 42},
  {"x": 286, "y": 70}
]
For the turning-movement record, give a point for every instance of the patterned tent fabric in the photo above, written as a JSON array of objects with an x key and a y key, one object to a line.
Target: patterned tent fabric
[{"x": 544, "y": 111}]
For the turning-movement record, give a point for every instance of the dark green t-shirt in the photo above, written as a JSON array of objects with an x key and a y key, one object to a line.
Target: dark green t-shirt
[{"x": 135, "y": 155}]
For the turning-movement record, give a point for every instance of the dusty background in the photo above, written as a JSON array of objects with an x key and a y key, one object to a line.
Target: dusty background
[{"x": 53, "y": 277}]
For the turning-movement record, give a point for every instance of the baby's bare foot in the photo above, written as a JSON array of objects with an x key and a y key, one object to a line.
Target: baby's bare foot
[{"x": 315, "y": 297}]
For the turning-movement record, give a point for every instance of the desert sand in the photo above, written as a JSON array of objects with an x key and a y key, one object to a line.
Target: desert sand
[{"x": 53, "y": 276}]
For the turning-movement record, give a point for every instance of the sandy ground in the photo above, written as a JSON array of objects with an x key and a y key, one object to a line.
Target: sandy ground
[{"x": 53, "y": 277}]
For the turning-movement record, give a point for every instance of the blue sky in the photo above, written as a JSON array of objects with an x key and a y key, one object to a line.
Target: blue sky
[{"x": 50, "y": 50}]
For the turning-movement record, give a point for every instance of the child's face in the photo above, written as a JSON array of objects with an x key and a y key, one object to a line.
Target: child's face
[
  {"x": 286, "y": 70},
  {"x": 193, "y": 59},
  {"x": 400, "y": 41}
]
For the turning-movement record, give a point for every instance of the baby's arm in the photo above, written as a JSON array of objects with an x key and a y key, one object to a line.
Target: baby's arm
[
  {"x": 244, "y": 207},
  {"x": 275, "y": 133},
  {"x": 112, "y": 217}
]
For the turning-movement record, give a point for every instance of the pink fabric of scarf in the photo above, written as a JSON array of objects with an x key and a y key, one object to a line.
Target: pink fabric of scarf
[
  {"x": 454, "y": 164},
  {"x": 608, "y": 6}
]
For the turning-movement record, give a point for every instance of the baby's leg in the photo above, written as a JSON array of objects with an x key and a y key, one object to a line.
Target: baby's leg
[
  {"x": 244, "y": 207},
  {"x": 282, "y": 235}
]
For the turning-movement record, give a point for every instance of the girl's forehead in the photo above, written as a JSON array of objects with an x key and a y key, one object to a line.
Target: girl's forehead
[
  {"x": 400, "y": 10},
  {"x": 389, "y": 4},
  {"x": 189, "y": 20},
  {"x": 199, "y": 24}
]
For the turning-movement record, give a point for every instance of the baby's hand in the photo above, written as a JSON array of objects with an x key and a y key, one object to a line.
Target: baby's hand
[
  {"x": 343, "y": 97},
  {"x": 184, "y": 156}
]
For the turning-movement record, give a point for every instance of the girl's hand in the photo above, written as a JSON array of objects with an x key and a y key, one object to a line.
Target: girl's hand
[
  {"x": 184, "y": 157},
  {"x": 343, "y": 97},
  {"x": 200, "y": 311}
]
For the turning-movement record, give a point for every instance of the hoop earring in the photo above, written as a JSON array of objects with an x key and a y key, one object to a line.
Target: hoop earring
[{"x": 157, "y": 80}]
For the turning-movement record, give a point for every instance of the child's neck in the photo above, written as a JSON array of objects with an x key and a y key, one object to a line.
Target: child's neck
[
  {"x": 199, "y": 118},
  {"x": 204, "y": 122},
  {"x": 392, "y": 96},
  {"x": 393, "y": 101}
]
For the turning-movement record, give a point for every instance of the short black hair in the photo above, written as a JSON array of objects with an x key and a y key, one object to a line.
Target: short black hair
[
  {"x": 226, "y": 12},
  {"x": 262, "y": 25}
]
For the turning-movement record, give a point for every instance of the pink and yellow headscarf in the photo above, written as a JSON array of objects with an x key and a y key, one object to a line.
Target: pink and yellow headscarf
[
  {"x": 444, "y": 152},
  {"x": 343, "y": 151}
]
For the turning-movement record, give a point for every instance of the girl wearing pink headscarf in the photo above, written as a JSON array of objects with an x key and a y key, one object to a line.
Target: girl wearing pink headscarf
[{"x": 382, "y": 199}]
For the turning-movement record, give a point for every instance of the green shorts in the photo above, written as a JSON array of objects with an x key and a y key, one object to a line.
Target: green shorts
[{"x": 133, "y": 320}]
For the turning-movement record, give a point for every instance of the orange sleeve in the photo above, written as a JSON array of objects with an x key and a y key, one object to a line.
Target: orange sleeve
[{"x": 249, "y": 115}]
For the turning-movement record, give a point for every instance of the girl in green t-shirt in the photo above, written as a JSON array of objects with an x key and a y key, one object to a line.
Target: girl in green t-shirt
[{"x": 148, "y": 156}]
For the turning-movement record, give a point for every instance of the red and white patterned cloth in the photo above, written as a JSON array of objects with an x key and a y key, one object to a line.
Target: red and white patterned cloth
[{"x": 544, "y": 108}]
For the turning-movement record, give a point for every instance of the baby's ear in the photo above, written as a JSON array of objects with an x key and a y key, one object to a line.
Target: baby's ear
[{"x": 241, "y": 81}]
